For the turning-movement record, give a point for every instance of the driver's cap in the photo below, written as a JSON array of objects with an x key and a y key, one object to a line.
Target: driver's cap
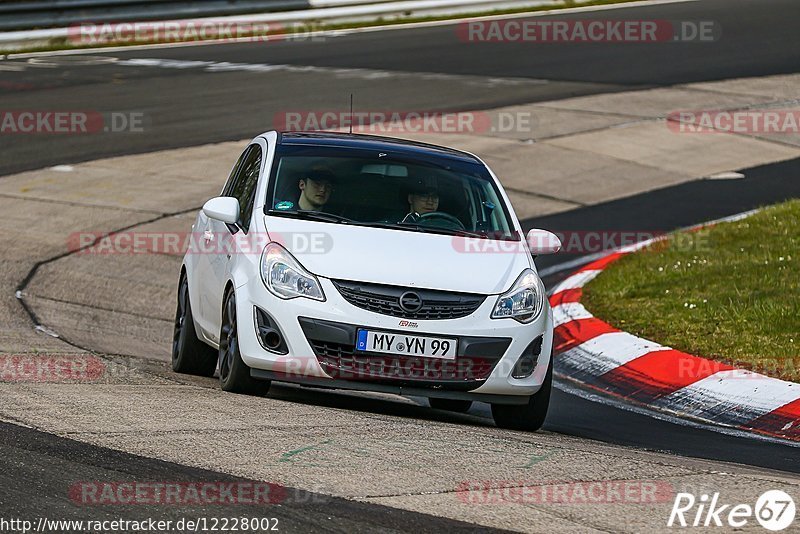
[
  {"x": 319, "y": 174},
  {"x": 424, "y": 185}
]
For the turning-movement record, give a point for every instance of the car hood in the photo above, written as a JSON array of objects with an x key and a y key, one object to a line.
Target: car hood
[{"x": 401, "y": 257}]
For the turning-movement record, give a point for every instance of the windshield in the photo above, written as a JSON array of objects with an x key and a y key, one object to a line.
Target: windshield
[{"x": 346, "y": 186}]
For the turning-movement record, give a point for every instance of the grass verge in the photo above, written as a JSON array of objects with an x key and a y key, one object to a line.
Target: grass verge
[{"x": 730, "y": 292}]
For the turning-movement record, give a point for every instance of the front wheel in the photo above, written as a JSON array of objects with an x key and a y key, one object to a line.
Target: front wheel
[
  {"x": 530, "y": 416},
  {"x": 234, "y": 374}
]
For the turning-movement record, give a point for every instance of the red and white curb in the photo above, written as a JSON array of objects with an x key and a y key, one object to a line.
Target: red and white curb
[{"x": 594, "y": 353}]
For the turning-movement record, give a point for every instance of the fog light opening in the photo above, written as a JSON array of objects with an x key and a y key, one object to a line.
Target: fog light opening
[
  {"x": 272, "y": 338},
  {"x": 268, "y": 333},
  {"x": 528, "y": 360}
]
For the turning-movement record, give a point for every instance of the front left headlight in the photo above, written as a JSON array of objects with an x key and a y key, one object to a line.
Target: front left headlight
[
  {"x": 285, "y": 277},
  {"x": 524, "y": 301}
]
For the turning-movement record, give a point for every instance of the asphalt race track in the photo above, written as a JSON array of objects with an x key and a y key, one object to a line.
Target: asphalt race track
[
  {"x": 26, "y": 451},
  {"x": 192, "y": 108},
  {"x": 420, "y": 68}
]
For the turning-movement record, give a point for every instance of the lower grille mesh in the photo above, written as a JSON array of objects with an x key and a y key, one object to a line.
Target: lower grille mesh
[{"x": 341, "y": 361}]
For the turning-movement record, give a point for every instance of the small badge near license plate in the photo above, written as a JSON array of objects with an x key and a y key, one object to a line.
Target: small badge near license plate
[{"x": 406, "y": 345}]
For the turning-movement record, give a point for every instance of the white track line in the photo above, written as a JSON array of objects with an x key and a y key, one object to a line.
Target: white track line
[{"x": 347, "y": 31}]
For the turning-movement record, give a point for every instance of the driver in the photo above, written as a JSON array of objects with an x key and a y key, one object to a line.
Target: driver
[
  {"x": 316, "y": 187},
  {"x": 423, "y": 198}
]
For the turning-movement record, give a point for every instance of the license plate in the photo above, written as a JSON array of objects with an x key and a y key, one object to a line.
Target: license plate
[{"x": 402, "y": 344}]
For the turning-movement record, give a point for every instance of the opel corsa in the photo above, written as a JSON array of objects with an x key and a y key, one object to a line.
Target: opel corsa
[{"x": 368, "y": 263}]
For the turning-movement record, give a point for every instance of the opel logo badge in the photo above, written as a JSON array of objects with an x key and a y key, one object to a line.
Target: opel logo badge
[{"x": 410, "y": 302}]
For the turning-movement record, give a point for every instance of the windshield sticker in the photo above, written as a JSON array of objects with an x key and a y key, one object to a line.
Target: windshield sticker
[{"x": 284, "y": 205}]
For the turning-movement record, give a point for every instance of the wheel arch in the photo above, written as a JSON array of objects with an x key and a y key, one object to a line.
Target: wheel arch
[{"x": 229, "y": 288}]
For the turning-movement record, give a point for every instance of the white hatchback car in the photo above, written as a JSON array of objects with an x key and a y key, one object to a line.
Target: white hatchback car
[{"x": 370, "y": 263}]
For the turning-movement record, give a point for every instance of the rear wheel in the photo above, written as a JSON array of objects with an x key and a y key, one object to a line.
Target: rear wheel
[
  {"x": 234, "y": 374},
  {"x": 529, "y": 416},
  {"x": 189, "y": 354},
  {"x": 451, "y": 405}
]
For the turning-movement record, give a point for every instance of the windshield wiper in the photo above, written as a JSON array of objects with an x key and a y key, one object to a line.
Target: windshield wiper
[
  {"x": 424, "y": 229},
  {"x": 330, "y": 217},
  {"x": 312, "y": 215}
]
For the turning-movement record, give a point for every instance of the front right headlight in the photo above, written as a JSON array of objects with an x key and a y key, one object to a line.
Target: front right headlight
[
  {"x": 524, "y": 301},
  {"x": 285, "y": 277}
]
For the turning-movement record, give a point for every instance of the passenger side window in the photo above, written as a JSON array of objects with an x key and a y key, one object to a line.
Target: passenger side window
[
  {"x": 250, "y": 171},
  {"x": 242, "y": 184},
  {"x": 226, "y": 191}
]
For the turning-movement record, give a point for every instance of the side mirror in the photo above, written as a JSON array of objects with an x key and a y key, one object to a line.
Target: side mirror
[
  {"x": 225, "y": 209},
  {"x": 543, "y": 242}
]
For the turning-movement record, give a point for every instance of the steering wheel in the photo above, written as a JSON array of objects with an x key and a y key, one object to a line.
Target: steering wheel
[{"x": 441, "y": 217}]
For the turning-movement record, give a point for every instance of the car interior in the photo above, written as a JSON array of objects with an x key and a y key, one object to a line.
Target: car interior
[{"x": 366, "y": 191}]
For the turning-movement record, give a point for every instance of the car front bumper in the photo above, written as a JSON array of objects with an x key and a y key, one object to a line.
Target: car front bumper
[{"x": 319, "y": 337}]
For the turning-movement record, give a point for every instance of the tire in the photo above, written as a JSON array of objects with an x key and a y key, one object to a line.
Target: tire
[
  {"x": 189, "y": 355},
  {"x": 528, "y": 417},
  {"x": 234, "y": 374},
  {"x": 451, "y": 405}
]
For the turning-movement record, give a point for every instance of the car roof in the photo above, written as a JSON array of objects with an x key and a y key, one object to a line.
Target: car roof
[{"x": 373, "y": 142}]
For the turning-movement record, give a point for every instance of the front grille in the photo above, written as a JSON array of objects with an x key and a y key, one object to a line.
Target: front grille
[
  {"x": 385, "y": 300},
  {"x": 340, "y": 361}
]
